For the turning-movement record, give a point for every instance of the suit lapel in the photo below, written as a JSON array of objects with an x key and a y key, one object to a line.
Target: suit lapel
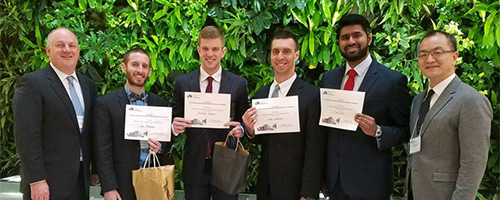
[
  {"x": 295, "y": 88},
  {"x": 414, "y": 111},
  {"x": 122, "y": 99},
  {"x": 338, "y": 76},
  {"x": 443, "y": 99},
  {"x": 225, "y": 83},
  {"x": 194, "y": 81},
  {"x": 370, "y": 77},
  {"x": 59, "y": 89}
]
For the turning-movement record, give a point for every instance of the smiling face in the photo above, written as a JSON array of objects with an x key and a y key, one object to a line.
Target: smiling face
[
  {"x": 137, "y": 69},
  {"x": 439, "y": 60},
  {"x": 211, "y": 51},
  {"x": 62, "y": 49},
  {"x": 354, "y": 43},
  {"x": 283, "y": 57}
]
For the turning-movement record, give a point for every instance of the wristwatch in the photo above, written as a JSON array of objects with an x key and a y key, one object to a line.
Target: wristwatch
[{"x": 378, "y": 133}]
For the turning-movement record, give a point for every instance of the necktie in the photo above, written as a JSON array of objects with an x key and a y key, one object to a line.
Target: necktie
[
  {"x": 137, "y": 99},
  {"x": 209, "y": 90},
  {"x": 424, "y": 108},
  {"x": 74, "y": 98},
  {"x": 349, "y": 85},
  {"x": 209, "y": 85},
  {"x": 276, "y": 91}
]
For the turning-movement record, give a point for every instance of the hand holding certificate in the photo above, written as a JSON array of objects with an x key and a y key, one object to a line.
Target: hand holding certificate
[
  {"x": 277, "y": 115},
  {"x": 338, "y": 108},
  {"x": 143, "y": 122},
  {"x": 207, "y": 110}
]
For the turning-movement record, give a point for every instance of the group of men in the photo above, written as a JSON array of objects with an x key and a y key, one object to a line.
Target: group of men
[{"x": 60, "y": 123}]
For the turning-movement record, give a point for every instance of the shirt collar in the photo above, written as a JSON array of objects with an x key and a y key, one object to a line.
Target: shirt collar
[
  {"x": 440, "y": 87},
  {"x": 63, "y": 75},
  {"x": 285, "y": 85},
  {"x": 361, "y": 68},
  {"x": 204, "y": 75}
]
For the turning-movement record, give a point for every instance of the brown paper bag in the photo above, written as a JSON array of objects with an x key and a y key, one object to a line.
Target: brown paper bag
[{"x": 154, "y": 183}]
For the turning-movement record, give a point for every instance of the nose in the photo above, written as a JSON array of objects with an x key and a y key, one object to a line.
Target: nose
[
  {"x": 430, "y": 58},
  {"x": 351, "y": 40},
  {"x": 66, "y": 47},
  {"x": 280, "y": 56}
]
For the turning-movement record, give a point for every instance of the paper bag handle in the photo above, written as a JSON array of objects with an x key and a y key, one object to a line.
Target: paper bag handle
[{"x": 154, "y": 160}]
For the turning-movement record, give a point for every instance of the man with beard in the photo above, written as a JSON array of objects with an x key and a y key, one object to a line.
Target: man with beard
[
  {"x": 291, "y": 163},
  {"x": 199, "y": 145},
  {"x": 359, "y": 163},
  {"x": 115, "y": 156},
  {"x": 52, "y": 120}
]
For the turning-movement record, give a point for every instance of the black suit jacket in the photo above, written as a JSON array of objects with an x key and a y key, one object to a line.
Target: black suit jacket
[
  {"x": 115, "y": 156},
  {"x": 291, "y": 163},
  {"x": 48, "y": 138},
  {"x": 366, "y": 171},
  {"x": 196, "y": 138}
]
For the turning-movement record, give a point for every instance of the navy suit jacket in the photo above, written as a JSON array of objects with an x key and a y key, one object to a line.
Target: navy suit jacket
[
  {"x": 291, "y": 164},
  {"x": 195, "y": 147},
  {"x": 115, "y": 156},
  {"x": 47, "y": 134},
  {"x": 365, "y": 170}
]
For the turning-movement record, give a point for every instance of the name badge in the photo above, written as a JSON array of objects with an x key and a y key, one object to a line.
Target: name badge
[
  {"x": 80, "y": 121},
  {"x": 415, "y": 145}
]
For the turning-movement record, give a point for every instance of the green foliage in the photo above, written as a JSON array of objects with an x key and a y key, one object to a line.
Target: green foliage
[{"x": 168, "y": 29}]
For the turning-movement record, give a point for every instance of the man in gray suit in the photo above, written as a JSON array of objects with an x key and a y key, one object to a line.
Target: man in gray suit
[{"x": 450, "y": 123}]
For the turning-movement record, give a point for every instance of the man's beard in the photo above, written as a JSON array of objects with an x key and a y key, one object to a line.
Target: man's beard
[
  {"x": 352, "y": 58},
  {"x": 133, "y": 82}
]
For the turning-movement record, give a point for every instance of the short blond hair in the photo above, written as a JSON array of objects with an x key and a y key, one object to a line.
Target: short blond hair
[{"x": 211, "y": 32}]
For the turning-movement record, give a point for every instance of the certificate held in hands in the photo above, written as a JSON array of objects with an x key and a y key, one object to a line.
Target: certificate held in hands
[
  {"x": 207, "y": 110},
  {"x": 338, "y": 108},
  {"x": 277, "y": 115},
  {"x": 143, "y": 122}
]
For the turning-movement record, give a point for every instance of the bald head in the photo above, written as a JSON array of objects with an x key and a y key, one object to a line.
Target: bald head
[
  {"x": 62, "y": 49},
  {"x": 60, "y": 29}
]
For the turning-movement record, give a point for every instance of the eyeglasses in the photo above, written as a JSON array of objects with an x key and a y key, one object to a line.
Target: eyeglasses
[{"x": 436, "y": 53}]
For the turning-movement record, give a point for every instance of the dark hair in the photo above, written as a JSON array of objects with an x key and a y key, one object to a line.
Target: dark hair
[
  {"x": 134, "y": 50},
  {"x": 354, "y": 19},
  {"x": 211, "y": 32},
  {"x": 285, "y": 33},
  {"x": 451, "y": 39}
]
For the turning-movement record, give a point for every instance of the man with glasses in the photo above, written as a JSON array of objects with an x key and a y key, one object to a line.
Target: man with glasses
[{"x": 450, "y": 127}]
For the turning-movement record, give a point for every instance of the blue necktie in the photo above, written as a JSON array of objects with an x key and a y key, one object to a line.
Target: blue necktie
[{"x": 74, "y": 98}]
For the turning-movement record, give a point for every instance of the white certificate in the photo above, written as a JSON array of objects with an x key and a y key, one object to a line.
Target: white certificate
[
  {"x": 143, "y": 122},
  {"x": 277, "y": 115},
  {"x": 338, "y": 108},
  {"x": 207, "y": 110}
]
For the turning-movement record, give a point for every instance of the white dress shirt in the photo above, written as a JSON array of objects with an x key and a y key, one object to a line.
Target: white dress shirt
[
  {"x": 215, "y": 83},
  {"x": 360, "y": 69},
  {"x": 62, "y": 76},
  {"x": 439, "y": 89},
  {"x": 284, "y": 86}
]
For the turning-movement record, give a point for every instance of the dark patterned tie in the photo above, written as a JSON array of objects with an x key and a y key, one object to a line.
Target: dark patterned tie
[
  {"x": 209, "y": 90},
  {"x": 424, "y": 108}
]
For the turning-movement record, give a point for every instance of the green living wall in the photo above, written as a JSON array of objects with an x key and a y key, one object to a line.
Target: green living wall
[{"x": 168, "y": 29}]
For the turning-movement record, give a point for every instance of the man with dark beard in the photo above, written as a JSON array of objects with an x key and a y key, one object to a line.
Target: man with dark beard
[
  {"x": 115, "y": 156},
  {"x": 359, "y": 163}
]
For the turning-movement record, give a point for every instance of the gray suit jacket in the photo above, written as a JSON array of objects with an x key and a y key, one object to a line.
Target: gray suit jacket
[{"x": 454, "y": 145}]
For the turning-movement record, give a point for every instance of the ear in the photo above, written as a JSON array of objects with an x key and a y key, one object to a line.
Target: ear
[
  {"x": 47, "y": 50},
  {"x": 198, "y": 48},
  {"x": 223, "y": 52},
  {"x": 124, "y": 68},
  {"x": 296, "y": 55},
  {"x": 370, "y": 38},
  {"x": 455, "y": 57}
]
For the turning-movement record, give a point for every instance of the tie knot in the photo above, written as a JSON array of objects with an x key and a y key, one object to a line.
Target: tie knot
[
  {"x": 135, "y": 97},
  {"x": 70, "y": 79},
  {"x": 210, "y": 79},
  {"x": 352, "y": 73}
]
